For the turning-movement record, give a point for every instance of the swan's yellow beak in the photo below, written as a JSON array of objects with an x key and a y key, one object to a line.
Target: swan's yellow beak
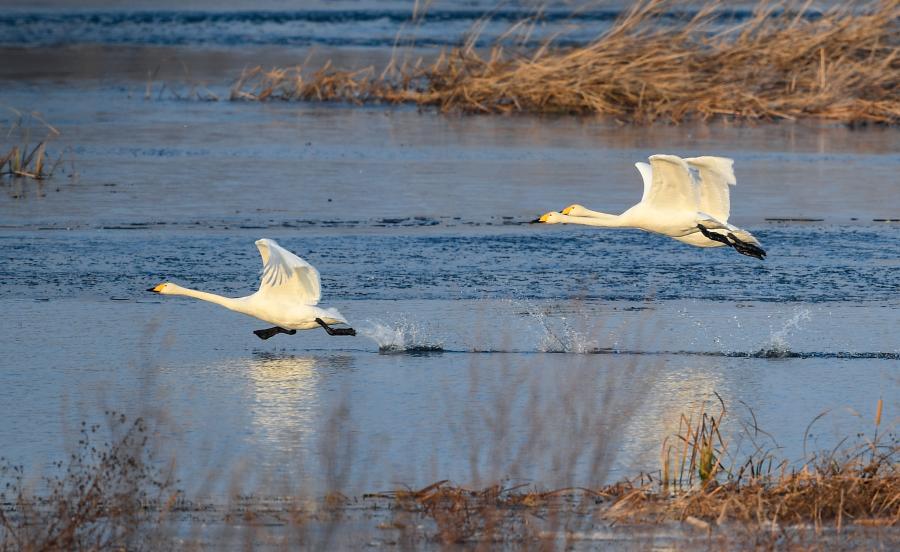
[
  {"x": 568, "y": 209},
  {"x": 544, "y": 218},
  {"x": 157, "y": 288}
]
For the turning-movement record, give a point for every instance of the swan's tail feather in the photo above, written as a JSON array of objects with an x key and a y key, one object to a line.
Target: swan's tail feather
[{"x": 334, "y": 313}]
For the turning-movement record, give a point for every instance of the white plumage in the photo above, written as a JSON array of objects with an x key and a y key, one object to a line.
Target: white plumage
[
  {"x": 676, "y": 204},
  {"x": 288, "y": 295}
]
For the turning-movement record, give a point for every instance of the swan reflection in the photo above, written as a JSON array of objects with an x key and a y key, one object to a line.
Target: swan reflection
[
  {"x": 675, "y": 391},
  {"x": 286, "y": 397}
]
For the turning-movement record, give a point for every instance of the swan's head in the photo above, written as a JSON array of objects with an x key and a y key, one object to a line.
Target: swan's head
[
  {"x": 163, "y": 288},
  {"x": 550, "y": 218},
  {"x": 575, "y": 210}
]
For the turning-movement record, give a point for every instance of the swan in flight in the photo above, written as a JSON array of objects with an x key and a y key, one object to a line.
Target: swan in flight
[
  {"x": 675, "y": 204},
  {"x": 288, "y": 295}
]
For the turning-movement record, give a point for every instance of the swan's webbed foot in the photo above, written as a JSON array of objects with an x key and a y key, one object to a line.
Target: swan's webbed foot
[
  {"x": 335, "y": 331},
  {"x": 713, "y": 236},
  {"x": 742, "y": 247},
  {"x": 270, "y": 332},
  {"x": 749, "y": 249}
]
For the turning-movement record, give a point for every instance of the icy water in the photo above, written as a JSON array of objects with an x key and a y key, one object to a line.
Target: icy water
[{"x": 487, "y": 347}]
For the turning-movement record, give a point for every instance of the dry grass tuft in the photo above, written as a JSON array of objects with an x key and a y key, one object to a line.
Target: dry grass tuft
[
  {"x": 23, "y": 160},
  {"x": 101, "y": 498},
  {"x": 854, "y": 484},
  {"x": 787, "y": 61},
  {"x": 858, "y": 485},
  {"x": 110, "y": 496}
]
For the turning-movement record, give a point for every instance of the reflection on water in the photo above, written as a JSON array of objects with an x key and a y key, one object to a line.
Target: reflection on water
[
  {"x": 672, "y": 391},
  {"x": 286, "y": 396}
]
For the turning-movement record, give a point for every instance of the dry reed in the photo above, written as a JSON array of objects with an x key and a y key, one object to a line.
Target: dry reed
[
  {"x": 23, "y": 160},
  {"x": 111, "y": 496},
  {"x": 854, "y": 485},
  {"x": 786, "y": 61},
  {"x": 103, "y": 497}
]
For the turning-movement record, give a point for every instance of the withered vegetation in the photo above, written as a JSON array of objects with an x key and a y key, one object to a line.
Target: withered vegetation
[
  {"x": 24, "y": 159},
  {"x": 104, "y": 496},
  {"x": 855, "y": 486},
  {"x": 786, "y": 61},
  {"x": 113, "y": 495}
]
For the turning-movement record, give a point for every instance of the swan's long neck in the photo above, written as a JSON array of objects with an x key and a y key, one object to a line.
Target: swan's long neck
[
  {"x": 595, "y": 219},
  {"x": 227, "y": 302}
]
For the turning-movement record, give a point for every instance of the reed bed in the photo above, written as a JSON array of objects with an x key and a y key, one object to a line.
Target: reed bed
[
  {"x": 112, "y": 494},
  {"x": 103, "y": 497},
  {"x": 787, "y": 61},
  {"x": 24, "y": 160},
  {"x": 852, "y": 486}
]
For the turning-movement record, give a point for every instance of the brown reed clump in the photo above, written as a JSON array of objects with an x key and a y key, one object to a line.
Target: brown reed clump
[
  {"x": 785, "y": 62},
  {"x": 101, "y": 498},
  {"x": 23, "y": 160},
  {"x": 111, "y": 496},
  {"x": 855, "y": 484},
  {"x": 858, "y": 485}
]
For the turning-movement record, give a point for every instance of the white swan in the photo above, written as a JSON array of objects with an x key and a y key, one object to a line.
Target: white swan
[
  {"x": 288, "y": 295},
  {"x": 676, "y": 205}
]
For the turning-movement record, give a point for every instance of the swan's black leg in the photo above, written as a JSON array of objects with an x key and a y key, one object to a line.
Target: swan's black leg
[
  {"x": 749, "y": 249},
  {"x": 270, "y": 332},
  {"x": 335, "y": 331},
  {"x": 713, "y": 236}
]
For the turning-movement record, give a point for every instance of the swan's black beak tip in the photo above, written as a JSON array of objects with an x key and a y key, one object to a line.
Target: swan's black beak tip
[
  {"x": 151, "y": 290},
  {"x": 535, "y": 221}
]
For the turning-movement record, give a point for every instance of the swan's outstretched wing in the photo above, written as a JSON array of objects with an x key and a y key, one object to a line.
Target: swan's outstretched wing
[
  {"x": 716, "y": 174},
  {"x": 647, "y": 175},
  {"x": 287, "y": 274},
  {"x": 672, "y": 187}
]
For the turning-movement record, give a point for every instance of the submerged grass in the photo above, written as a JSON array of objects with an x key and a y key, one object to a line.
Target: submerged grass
[{"x": 787, "y": 61}]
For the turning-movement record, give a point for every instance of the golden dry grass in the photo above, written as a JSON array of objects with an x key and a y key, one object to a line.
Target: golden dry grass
[
  {"x": 785, "y": 62},
  {"x": 114, "y": 496},
  {"x": 22, "y": 159},
  {"x": 858, "y": 485}
]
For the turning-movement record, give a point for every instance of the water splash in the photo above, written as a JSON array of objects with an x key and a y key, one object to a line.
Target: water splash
[
  {"x": 404, "y": 337},
  {"x": 561, "y": 340},
  {"x": 778, "y": 346},
  {"x": 569, "y": 341}
]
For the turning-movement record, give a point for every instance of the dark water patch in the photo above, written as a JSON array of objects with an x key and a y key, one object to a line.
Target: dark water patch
[
  {"x": 358, "y": 28},
  {"x": 415, "y": 350},
  {"x": 783, "y": 353},
  {"x": 760, "y": 354},
  {"x": 805, "y": 264}
]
